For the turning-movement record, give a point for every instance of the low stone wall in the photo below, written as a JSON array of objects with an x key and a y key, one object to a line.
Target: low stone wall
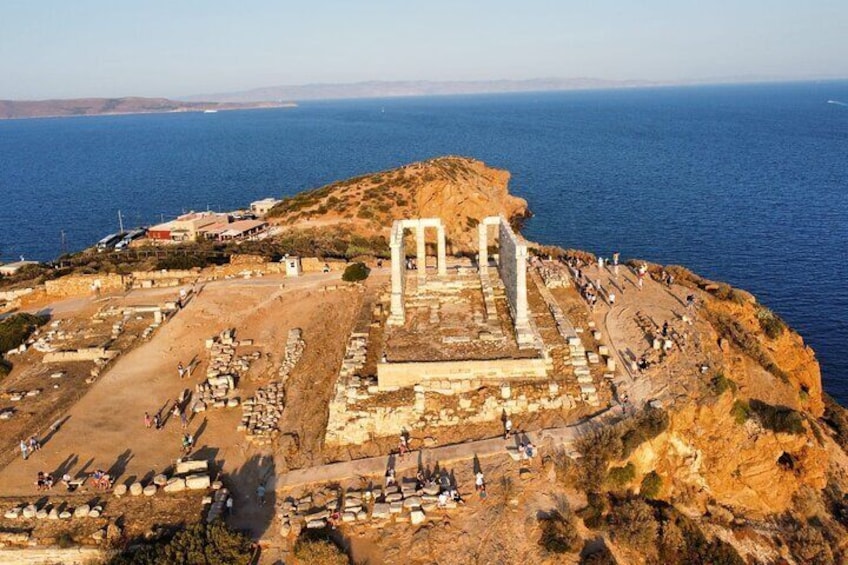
[
  {"x": 9, "y": 295},
  {"x": 316, "y": 265},
  {"x": 40, "y": 556},
  {"x": 246, "y": 259},
  {"x": 390, "y": 375},
  {"x": 81, "y": 285},
  {"x": 85, "y": 354}
]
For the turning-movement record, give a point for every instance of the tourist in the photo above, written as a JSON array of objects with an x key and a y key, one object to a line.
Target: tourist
[
  {"x": 615, "y": 257},
  {"x": 482, "y": 492},
  {"x": 48, "y": 481},
  {"x": 507, "y": 428},
  {"x": 443, "y": 499},
  {"x": 147, "y": 421},
  {"x": 690, "y": 301},
  {"x": 157, "y": 421},
  {"x": 479, "y": 481},
  {"x": 229, "y": 506},
  {"x": 175, "y": 411},
  {"x": 66, "y": 480},
  {"x": 665, "y": 329},
  {"x": 390, "y": 477},
  {"x": 24, "y": 450},
  {"x": 529, "y": 450},
  {"x": 39, "y": 481},
  {"x": 183, "y": 419},
  {"x": 403, "y": 445},
  {"x": 260, "y": 494},
  {"x": 419, "y": 480},
  {"x": 611, "y": 299},
  {"x": 34, "y": 444},
  {"x": 600, "y": 263},
  {"x": 181, "y": 369},
  {"x": 456, "y": 497},
  {"x": 188, "y": 443}
]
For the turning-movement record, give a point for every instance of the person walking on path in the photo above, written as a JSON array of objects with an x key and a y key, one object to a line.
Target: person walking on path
[
  {"x": 34, "y": 444},
  {"x": 157, "y": 421},
  {"x": 183, "y": 419},
  {"x": 507, "y": 428},
  {"x": 147, "y": 421},
  {"x": 180, "y": 369},
  {"x": 479, "y": 481},
  {"x": 24, "y": 450}
]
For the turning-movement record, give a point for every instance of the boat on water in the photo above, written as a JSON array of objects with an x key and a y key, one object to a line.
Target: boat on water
[
  {"x": 837, "y": 102},
  {"x": 210, "y": 111}
]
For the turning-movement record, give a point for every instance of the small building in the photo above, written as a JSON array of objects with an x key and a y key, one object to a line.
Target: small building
[
  {"x": 242, "y": 229},
  {"x": 160, "y": 232},
  {"x": 293, "y": 267},
  {"x": 261, "y": 207},
  {"x": 11, "y": 268},
  {"x": 188, "y": 226}
]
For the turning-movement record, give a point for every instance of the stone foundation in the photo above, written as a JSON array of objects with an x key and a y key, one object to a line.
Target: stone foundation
[{"x": 395, "y": 375}]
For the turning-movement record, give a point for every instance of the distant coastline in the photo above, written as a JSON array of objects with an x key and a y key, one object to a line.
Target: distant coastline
[{"x": 66, "y": 108}]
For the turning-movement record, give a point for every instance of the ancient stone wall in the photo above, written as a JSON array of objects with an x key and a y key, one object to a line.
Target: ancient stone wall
[
  {"x": 316, "y": 264},
  {"x": 83, "y": 354},
  {"x": 81, "y": 285},
  {"x": 408, "y": 374},
  {"x": 39, "y": 556},
  {"x": 247, "y": 259}
]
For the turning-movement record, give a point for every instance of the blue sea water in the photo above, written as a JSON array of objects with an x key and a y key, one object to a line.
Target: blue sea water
[{"x": 745, "y": 184}]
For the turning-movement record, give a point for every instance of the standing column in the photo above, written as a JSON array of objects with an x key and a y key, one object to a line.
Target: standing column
[
  {"x": 483, "y": 236},
  {"x": 522, "y": 318},
  {"x": 421, "y": 255},
  {"x": 398, "y": 272},
  {"x": 440, "y": 244}
]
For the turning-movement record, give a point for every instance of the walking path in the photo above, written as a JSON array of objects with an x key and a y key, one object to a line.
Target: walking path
[{"x": 547, "y": 439}]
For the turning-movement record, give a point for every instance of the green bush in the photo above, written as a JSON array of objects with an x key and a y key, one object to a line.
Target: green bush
[
  {"x": 651, "y": 485},
  {"x": 355, "y": 272},
  {"x": 620, "y": 477},
  {"x": 559, "y": 533},
  {"x": 598, "y": 449},
  {"x": 17, "y": 328},
  {"x": 602, "y": 556},
  {"x": 780, "y": 419},
  {"x": 741, "y": 411},
  {"x": 198, "y": 544}
]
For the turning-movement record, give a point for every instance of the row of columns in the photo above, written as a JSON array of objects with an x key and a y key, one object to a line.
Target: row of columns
[{"x": 397, "y": 244}]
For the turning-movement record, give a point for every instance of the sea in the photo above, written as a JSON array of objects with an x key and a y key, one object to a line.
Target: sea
[{"x": 746, "y": 184}]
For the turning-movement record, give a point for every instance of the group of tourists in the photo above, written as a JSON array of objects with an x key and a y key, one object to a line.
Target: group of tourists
[{"x": 44, "y": 481}]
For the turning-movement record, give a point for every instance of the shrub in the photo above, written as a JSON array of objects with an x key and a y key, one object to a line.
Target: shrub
[
  {"x": 741, "y": 411},
  {"x": 651, "y": 485},
  {"x": 837, "y": 418},
  {"x": 779, "y": 419},
  {"x": 5, "y": 368},
  {"x": 770, "y": 323},
  {"x": 317, "y": 550},
  {"x": 808, "y": 545},
  {"x": 593, "y": 513},
  {"x": 559, "y": 533},
  {"x": 598, "y": 449},
  {"x": 355, "y": 272},
  {"x": 17, "y": 328},
  {"x": 619, "y": 477},
  {"x": 199, "y": 544},
  {"x": 633, "y": 523},
  {"x": 682, "y": 541},
  {"x": 721, "y": 384}
]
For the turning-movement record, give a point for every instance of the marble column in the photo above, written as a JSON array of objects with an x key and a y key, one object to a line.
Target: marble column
[
  {"x": 398, "y": 273},
  {"x": 483, "y": 237},
  {"x": 421, "y": 255},
  {"x": 442, "y": 257}
]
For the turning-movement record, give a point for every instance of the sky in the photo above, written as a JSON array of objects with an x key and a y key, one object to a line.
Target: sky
[{"x": 66, "y": 49}]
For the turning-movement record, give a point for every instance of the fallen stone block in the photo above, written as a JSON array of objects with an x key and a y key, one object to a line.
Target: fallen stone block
[
  {"x": 416, "y": 517},
  {"x": 176, "y": 484},
  {"x": 65, "y": 515},
  {"x": 348, "y": 517},
  {"x": 316, "y": 524},
  {"x": 120, "y": 490},
  {"x": 82, "y": 511},
  {"x": 197, "y": 482},
  {"x": 150, "y": 490},
  {"x": 380, "y": 511},
  {"x": 136, "y": 489},
  {"x": 185, "y": 467},
  {"x": 412, "y": 501},
  {"x": 160, "y": 480}
]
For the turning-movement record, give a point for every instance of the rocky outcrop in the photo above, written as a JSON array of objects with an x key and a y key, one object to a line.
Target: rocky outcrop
[
  {"x": 459, "y": 190},
  {"x": 706, "y": 456}
]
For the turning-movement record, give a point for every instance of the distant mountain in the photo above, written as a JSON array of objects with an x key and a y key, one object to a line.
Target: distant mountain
[
  {"x": 380, "y": 89},
  {"x": 10, "y": 109}
]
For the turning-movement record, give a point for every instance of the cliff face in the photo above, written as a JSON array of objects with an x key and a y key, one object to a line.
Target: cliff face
[
  {"x": 458, "y": 190},
  {"x": 711, "y": 458}
]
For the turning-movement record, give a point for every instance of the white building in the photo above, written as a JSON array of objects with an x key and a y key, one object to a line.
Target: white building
[{"x": 261, "y": 207}]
